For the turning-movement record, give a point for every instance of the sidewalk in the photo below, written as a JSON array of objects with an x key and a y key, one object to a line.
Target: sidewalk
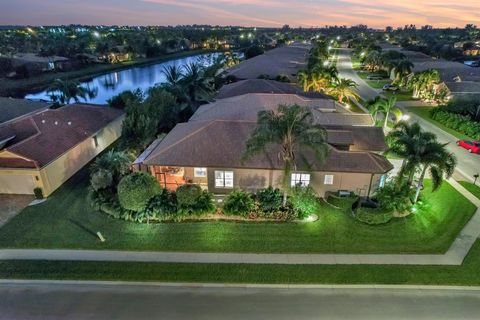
[{"x": 454, "y": 256}]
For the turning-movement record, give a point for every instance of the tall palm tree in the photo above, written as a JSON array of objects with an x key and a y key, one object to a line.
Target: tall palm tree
[
  {"x": 197, "y": 87},
  {"x": 290, "y": 128},
  {"x": 372, "y": 107},
  {"x": 304, "y": 80},
  {"x": 402, "y": 68},
  {"x": 173, "y": 75},
  {"x": 439, "y": 162},
  {"x": 420, "y": 149},
  {"x": 65, "y": 91},
  {"x": 344, "y": 88},
  {"x": 387, "y": 106}
]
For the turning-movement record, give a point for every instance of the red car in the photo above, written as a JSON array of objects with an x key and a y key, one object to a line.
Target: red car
[{"x": 471, "y": 146}]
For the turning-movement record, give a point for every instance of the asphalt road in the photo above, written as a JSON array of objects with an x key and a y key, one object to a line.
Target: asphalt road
[
  {"x": 94, "y": 301},
  {"x": 468, "y": 164}
]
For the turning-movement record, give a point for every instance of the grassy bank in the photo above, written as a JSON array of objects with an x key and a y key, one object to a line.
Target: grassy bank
[
  {"x": 466, "y": 274},
  {"x": 66, "y": 220},
  {"x": 19, "y": 87},
  {"x": 472, "y": 188},
  {"x": 424, "y": 113}
]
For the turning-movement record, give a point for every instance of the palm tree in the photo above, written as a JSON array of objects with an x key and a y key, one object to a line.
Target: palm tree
[
  {"x": 420, "y": 149},
  {"x": 304, "y": 80},
  {"x": 64, "y": 91},
  {"x": 173, "y": 74},
  {"x": 291, "y": 127},
  {"x": 115, "y": 162},
  {"x": 344, "y": 88},
  {"x": 196, "y": 86},
  {"x": 386, "y": 107},
  {"x": 372, "y": 107},
  {"x": 402, "y": 68},
  {"x": 440, "y": 163}
]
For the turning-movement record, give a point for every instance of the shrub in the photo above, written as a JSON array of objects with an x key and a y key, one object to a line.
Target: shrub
[
  {"x": 270, "y": 199},
  {"x": 136, "y": 190},
  {"x": 101, "y": 179},
  {"x": 161, "y": 207},
  {"x": 193, "y": 200},
  {"x": 373, "y": 216},
  {"x": 304, "y": 201},
  {"x": 461, "y": 123},
  {"x": 340, "y": 202},
  {"x": 38, "y": 192},
  {"x": 395, "y": 197},
  {"x": 238, "y": 203}
]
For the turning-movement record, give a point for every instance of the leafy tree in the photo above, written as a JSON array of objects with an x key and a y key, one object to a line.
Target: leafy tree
[
  {"x": 253, "y": 51},
  {"x": 290, "y": 128},
  {"x": 123, "y": 99},
  {"x": 136, "y": 190}
]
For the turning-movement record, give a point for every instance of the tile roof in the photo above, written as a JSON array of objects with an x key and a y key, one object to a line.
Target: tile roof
[
  {"x": 265, "y": 86},
  {"x": 287, "y": 61},
  {"x": 11, "y": 109},
  {"x": 45, "y": 136},
  {"x": 247, "y": 106},
  {"x": 188, "y": 139}
]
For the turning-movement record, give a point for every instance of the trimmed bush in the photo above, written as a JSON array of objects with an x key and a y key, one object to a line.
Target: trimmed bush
[
  {"x": 161, "y": 207},
  {"x": 461, "y": 123},
  {"x": 238, "y": 203},
  {"x": 38, "y": 192},
  {"x": 395, "y": 197},
  {"x": 193, "y": 200},
  {"x": 136, "y": 190},
  {"x": 304, "y": 201},
  {"x": 373, "y": 216},
  {"x": 101, "y": 179},
  {"x": 270, "y": 199}
]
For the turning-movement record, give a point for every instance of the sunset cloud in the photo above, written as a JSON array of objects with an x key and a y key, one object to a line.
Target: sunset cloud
[{"x": 375, "y": 13}]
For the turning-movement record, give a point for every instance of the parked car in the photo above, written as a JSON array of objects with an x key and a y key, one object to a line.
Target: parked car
[
  {"x": 471, "y": 146},
  {"x": 374, "y": 77},
  {"x": 390, "y": 87}
]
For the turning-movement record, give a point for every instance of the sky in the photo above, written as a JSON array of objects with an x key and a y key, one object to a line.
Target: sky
[{"x": 261, "y": 13}]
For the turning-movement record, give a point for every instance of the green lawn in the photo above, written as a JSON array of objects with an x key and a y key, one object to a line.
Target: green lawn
[
  {"x": 376, "y": 84},
  {"x": 473, "y": 188},
  {"x": 467, "y": 274},
  {"x": 424, "y": 113},
  {"x": 67, "y": 221},
  {"x": 401, "y": 96}
]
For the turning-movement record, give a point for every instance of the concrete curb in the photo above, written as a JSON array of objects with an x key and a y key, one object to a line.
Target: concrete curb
[{"x": 193, "y": 285}]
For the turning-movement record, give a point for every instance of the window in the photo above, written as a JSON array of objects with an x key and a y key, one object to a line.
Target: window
[
  {"x": 95, "y": 141},
  {"x": 200, "y": 172},
  {"x": 223, "y": 179},
  {"x": 328, "y": 179},
  {"x": 300, "y": 179}
]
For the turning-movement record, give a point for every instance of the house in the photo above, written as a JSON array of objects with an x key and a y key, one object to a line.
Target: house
[
  {"x": 283, "y": 61},
  {"x": 43, "y": 150},
  {"x": 36, "y": 64},
  {"x": 14, "y": 109},
  {"x": 208, "y": 149}
]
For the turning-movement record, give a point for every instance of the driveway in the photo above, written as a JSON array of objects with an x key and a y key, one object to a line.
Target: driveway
[{"x": 10, "y": 205}]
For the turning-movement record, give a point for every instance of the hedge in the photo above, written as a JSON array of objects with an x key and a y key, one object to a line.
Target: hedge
[
  {"x": 457, "y": 122},
  {"x": 373, "y": 216}
]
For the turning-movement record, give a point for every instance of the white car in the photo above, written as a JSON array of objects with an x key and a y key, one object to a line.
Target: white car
[{"x": 390, "y": 87}]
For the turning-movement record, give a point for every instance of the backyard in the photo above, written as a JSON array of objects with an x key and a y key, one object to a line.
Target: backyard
[{"x": 65, "y": 220}]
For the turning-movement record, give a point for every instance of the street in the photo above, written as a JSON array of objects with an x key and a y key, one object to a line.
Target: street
[
  {"x": 468, "y": 164},
  {"x": 108, "y": 301}
]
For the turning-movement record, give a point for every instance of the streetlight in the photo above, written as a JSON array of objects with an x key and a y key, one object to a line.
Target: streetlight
[
  {"x": 405, "y": 117},
  {"x": 96, "y": 34}
]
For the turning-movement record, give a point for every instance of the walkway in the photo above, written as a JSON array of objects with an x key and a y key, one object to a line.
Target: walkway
[{"x": 454, "y": 256}]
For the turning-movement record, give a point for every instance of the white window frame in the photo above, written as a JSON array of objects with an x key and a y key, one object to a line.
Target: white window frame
[
  {"x": 224, "y": 179},
  {"x": 302, "y": 179},
  {"x": 328, "y": 179},
  {"x": 199, "y": 172},
  {"x": 95, "y": 141}
]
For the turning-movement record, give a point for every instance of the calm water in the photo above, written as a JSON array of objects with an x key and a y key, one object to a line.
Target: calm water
[{"x": 111, "y": 84}]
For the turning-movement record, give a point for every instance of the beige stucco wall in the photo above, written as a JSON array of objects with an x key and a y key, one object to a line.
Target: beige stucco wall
[
  {"x": 54, "y": 174},
  {"x": 253, "y": 180}
]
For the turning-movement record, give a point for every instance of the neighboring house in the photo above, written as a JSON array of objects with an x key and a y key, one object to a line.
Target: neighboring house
[
  {"x": 34, "y": 63},
  {"x": 116, "y": 55},
  {"x": 208, "y": 149},
  {"x": 283, "y": 61},
  {"x": 14, "y": 109},
  {"x": 265, "y": 86},
  {"x": 45, "y": 149}
]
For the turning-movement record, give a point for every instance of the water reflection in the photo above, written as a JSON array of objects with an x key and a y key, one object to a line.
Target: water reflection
[{"x": 111, "y": 84}]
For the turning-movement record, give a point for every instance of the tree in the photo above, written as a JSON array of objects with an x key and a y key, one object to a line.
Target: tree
[
  {"x": 344, "y": 88},
  {"x": 196, "y": 86},
  {"x": 387, "y": 106},
  {"x": 116, "y": 163},
  {"x": 373, "y": 108},
  {"x": 136, "y": 190},
  {"x": 64, "y": 91},
  {"x": 121, "y": 100},
  {"x": 420, "y": 150},
  {"x": 290, "y": 128},
  {"x": 253, "y": 51}
]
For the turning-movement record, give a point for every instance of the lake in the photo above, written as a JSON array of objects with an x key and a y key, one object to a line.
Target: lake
[{"x": 113, "y": 83}]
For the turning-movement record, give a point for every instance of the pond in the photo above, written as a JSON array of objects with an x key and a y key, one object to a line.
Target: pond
[{"x": 113, "y": 83}]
